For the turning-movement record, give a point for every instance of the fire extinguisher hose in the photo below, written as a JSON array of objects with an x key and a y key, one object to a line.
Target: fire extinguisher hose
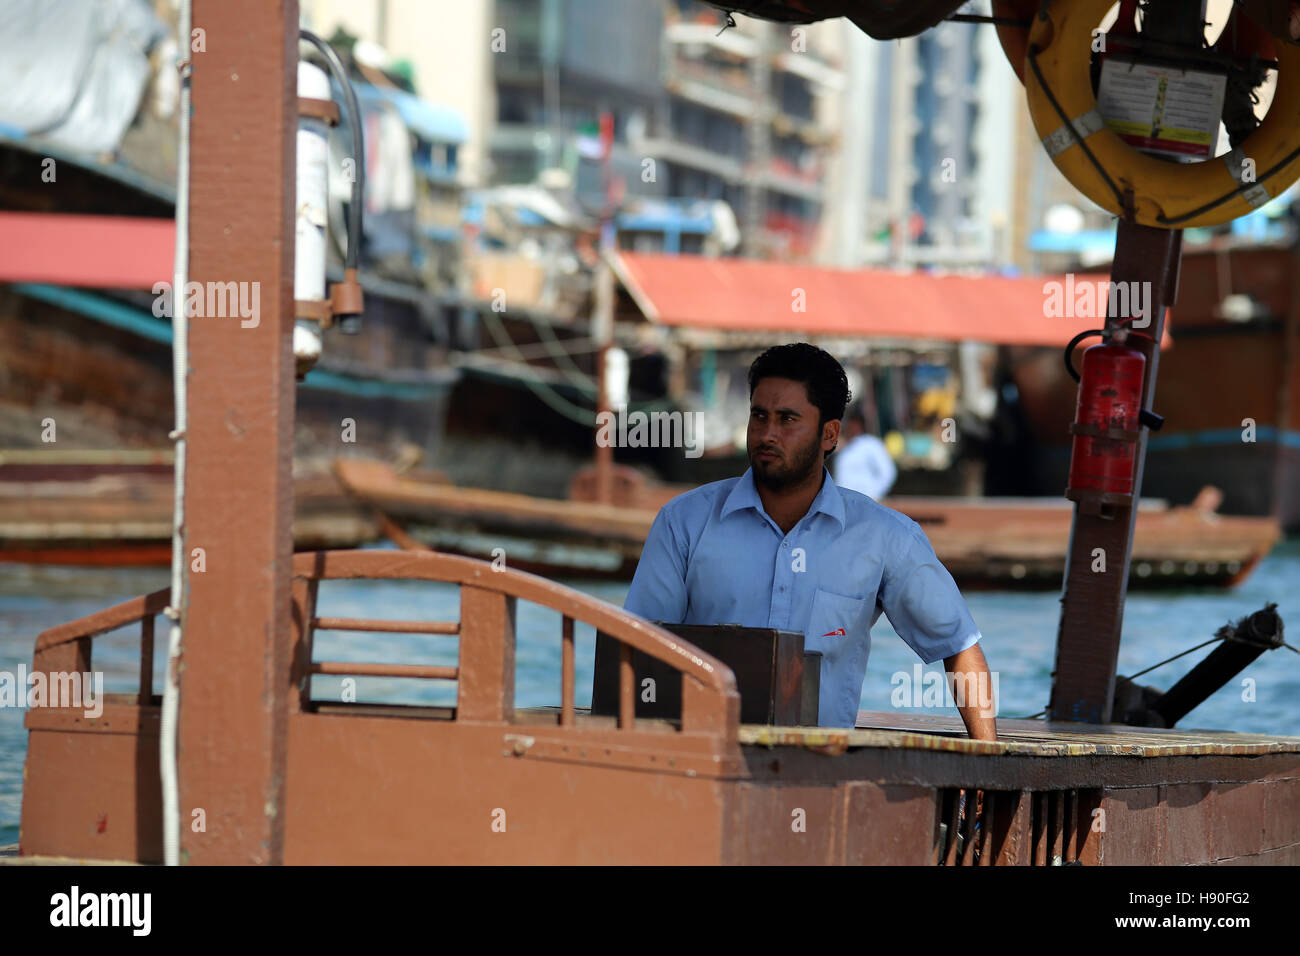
[{"x": 1069, "y": 350}]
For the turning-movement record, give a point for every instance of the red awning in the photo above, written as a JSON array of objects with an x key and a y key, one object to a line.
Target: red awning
[
  {"x": 98, "y": 252},
  {"x": 756, "y": 296}
]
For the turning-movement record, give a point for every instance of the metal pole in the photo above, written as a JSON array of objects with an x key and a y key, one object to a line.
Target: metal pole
[
  {"x": 603, "y": 326},
  {"x": 603, "y": 335},
  {"x": 234, "y": 681}
]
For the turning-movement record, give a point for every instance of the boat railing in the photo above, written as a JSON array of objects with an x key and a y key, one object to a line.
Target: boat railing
[
  {"x": 485, "y": 670},
  {"x": 67, "y": 648},
  {"x": 486, "y": 660}
]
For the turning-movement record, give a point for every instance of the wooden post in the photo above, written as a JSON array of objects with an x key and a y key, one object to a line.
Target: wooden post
[
  {"x": 487, "y": 655},
  {"x": 1092, "y": 605},
  {"x": 234, "y": 671}
]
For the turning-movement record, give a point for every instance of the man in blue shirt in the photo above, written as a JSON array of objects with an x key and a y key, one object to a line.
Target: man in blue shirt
[{"x": 783, "y": 547}]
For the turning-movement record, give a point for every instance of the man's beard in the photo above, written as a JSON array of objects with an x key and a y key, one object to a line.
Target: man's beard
[{"x": 787, "y": 472}]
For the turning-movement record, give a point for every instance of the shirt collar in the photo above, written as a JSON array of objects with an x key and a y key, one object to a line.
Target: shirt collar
[{"x": 745, "y": 495}]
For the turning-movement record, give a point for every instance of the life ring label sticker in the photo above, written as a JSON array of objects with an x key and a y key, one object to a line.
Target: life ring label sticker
[
  {"x": 1235, "y": 160},
  {"x": 1164, "y": 111},
  {"x": 1061, "y": 139}
]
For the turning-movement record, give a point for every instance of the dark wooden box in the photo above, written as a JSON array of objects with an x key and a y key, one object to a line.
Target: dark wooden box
[{"x": 777, "y": 679}]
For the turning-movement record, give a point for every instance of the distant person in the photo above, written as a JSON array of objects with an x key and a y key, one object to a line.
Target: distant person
[
  {"x": 865, "y": 464},
  {"x": 783, "y": 547}
]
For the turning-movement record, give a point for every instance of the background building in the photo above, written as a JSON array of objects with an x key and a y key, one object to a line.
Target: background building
[{"x": 745, "y": 116}]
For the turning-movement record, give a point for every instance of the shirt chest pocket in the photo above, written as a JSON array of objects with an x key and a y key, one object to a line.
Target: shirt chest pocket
[{"x": 835, "y": 624}]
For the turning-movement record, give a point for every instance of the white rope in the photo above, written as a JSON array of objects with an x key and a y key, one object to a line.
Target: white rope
[{"x": 171, "y": 822}]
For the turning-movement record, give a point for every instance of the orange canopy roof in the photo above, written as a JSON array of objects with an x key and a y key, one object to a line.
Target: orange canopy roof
[
  {"x": 751, "y": 295},
  {"x": 100, "y": 252}
]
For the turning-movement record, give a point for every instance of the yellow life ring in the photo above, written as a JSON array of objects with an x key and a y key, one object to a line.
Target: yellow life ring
[{"x": 1156, "y": 192}]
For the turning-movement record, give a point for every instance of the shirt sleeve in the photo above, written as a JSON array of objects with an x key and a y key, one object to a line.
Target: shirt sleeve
[
  {"x": 658, "y": 591},
  {"x": 922, "y": 601}
]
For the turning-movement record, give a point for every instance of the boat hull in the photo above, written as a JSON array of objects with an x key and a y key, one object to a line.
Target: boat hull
[
  {"x": 373, "y": 788},
  {"x": 481, "y": 781}
]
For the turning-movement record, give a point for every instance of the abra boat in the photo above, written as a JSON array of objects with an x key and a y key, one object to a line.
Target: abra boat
[{"x": 237, "y": 762}]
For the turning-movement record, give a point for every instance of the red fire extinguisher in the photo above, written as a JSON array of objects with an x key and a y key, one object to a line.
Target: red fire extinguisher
[{"x": 1107, "y": 416}]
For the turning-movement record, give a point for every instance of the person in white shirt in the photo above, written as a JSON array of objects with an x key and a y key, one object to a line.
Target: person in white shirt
[{"x": 863, "y": 464}]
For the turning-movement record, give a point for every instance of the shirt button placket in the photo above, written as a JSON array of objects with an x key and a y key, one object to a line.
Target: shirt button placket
[{"x": 783, "y": 582}]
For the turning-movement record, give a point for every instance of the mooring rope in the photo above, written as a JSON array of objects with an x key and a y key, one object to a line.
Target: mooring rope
[{"x": 1213, "y": 640}]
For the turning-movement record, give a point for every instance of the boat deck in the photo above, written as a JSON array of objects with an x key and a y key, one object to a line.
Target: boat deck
[
  {"x": 9, "y": 857},
  {"x": 1035, "y": 738}
]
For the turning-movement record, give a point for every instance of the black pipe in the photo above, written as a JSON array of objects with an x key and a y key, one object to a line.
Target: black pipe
[
  {"x": 1242, "y": 643},
  {"x": 340, "y": 72},
  {"x": 349, "y": 324},
  {"x": 1072, "y": 344}
]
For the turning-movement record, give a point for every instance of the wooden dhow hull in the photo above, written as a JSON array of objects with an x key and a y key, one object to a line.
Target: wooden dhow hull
[{"x": 992, "y": 542}]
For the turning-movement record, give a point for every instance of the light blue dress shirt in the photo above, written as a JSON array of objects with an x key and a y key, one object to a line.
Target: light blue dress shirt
[{"x": 714, "y": 556}]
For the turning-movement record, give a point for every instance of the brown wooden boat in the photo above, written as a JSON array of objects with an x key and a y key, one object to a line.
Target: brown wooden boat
[
  {"x": 114, "y": 509},
  {"x": 279, "y": 774},
  {"x": 368, "y": 783},
  {"x": 991, "y": 542}
]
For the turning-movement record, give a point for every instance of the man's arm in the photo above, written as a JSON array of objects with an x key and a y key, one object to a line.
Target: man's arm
[
  {"x": 972, "y": 689},
  {"x": 658, "y": 590},
  {"x": 930, "y": 615}
]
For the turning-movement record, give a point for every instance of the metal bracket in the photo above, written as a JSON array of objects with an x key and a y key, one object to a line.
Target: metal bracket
[
  {"x": 345, "y": 299},
  {"x": 1095, "y": 431},
  {"x": 326, "y": 110}
]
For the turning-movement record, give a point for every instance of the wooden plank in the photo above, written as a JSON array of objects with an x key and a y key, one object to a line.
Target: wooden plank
[
  {"x": 1048, "y": 730},
  {"x": 75, "y": 456},
  {"x": 1071, "y": 740},
  {"x": 487, "y": 655}
]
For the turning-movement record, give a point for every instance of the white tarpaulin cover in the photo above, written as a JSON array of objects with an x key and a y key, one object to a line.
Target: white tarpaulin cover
[{"x": 72, "y": 71}]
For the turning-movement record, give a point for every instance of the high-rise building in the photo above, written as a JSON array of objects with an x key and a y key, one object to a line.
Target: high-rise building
[
  {"x": 929, "y": 123},
  {"x": 701, "y": 111},
  {"x": 826, "y": 145},
  {"x": 745, "y": 114},
  {"x": 749, "y": 119}
]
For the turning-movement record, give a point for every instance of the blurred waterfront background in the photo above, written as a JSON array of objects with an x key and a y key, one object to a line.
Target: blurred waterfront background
[
  {"x": 725, "y": 169},
  {"x": 734, "y": 167}
]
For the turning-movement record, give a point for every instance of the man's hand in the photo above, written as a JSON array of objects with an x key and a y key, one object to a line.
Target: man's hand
[{"x": 972, "y": 689}]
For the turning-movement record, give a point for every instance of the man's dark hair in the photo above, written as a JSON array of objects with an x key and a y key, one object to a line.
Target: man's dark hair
[{"x": 822, "y": 376}]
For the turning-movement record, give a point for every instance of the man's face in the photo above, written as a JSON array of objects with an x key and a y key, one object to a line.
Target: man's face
[{"x": 785, "y": 441}]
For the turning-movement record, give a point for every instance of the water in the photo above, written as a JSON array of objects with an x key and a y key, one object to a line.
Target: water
[{"x": 1019, "y": 641}]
